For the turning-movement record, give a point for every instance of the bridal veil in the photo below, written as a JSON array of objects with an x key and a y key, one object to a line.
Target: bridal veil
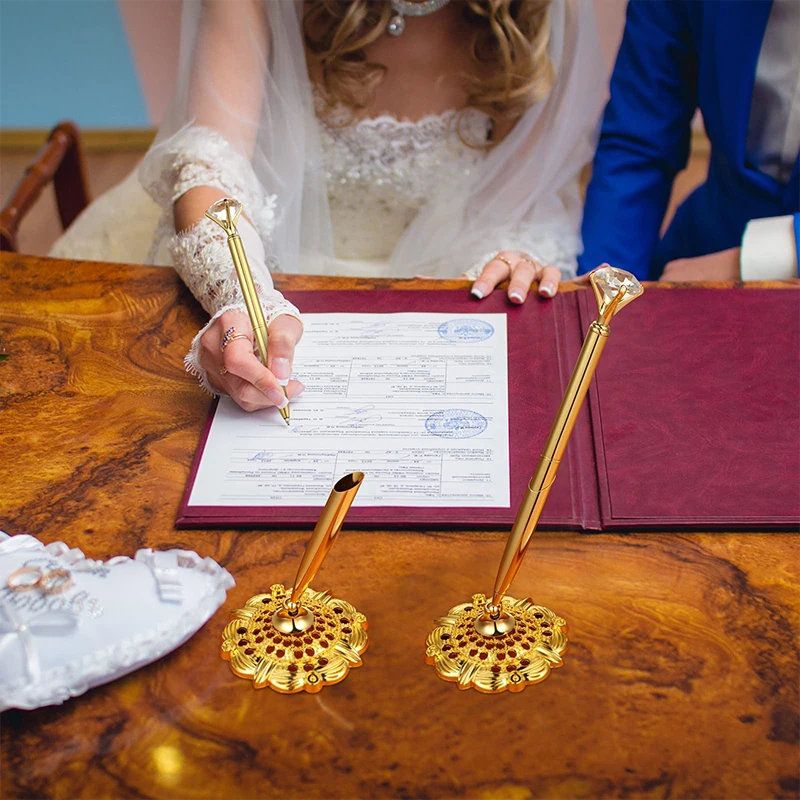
[{"x": 243, "y": 120}]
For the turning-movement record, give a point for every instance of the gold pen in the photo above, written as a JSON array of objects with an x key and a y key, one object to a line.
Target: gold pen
[
  {"x": 225, "y": 212},
  {"x": 613, "y": 289},
  {"x": 295, "y": 639},
  {"x": 500, "y": 643},
  {"x": 292, "y": 618}
]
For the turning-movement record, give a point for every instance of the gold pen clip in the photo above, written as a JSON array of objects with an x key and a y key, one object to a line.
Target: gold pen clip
[
  {"x": 502, "y": 643},
  {"x": 295, "y": 639}
]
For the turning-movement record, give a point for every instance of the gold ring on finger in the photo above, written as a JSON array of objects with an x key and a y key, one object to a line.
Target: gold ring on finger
[
  {"x": 233, "y": 339},
  {"x": 227, "y": 337},
  {"x": 505, "y": 260}
]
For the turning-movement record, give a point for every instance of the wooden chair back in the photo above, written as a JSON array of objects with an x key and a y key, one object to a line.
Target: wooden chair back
[{"x": 60, "y": 160}]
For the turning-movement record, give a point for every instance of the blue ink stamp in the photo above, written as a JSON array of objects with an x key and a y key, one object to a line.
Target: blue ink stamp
[
  {"x": 456, "y": 423},
  {"x": 466, "y": 330}
]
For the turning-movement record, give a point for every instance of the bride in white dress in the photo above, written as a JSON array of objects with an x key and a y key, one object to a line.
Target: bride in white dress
[{"x": 363, "y": 137}]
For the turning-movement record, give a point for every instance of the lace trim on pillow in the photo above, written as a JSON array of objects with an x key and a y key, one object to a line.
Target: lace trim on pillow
[{"x": 70, "y": 680}]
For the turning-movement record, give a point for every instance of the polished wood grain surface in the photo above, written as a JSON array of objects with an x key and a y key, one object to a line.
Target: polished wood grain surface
[{"x": 681, "y": 679}]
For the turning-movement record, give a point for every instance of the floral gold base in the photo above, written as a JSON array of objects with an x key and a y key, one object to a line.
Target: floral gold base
[
  {"x": 298, "y": 662},
  {"x": 494, "y": 664}
]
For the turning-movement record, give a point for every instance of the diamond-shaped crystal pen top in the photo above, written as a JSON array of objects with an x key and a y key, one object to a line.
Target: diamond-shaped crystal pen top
[
  {"x": 608, "y": 282},
  {"x": 220, "y": 211}
]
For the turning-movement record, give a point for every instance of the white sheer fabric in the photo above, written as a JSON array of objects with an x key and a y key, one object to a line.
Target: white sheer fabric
[
  {"x": 201, "y": 257},
  {"x": 243, "y": 76},
  {"x": 378, "y": 197}
]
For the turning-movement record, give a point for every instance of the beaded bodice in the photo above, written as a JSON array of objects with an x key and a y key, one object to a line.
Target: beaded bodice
[{"x": 381, "y": 171}]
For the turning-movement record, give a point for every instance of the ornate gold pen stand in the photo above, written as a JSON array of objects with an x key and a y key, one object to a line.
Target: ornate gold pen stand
[
  {"x": 505, "y": 643},
  {"x": 296, "y": 639}
]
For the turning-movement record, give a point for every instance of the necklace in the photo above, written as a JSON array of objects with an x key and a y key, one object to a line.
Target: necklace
[{"x": 409, "y": 8}]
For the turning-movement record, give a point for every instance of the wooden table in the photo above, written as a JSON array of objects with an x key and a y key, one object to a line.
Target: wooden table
[{"x": 682, "y": 674}]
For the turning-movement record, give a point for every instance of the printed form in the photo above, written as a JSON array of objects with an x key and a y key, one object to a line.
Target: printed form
[{"x": 417, "y": 402}]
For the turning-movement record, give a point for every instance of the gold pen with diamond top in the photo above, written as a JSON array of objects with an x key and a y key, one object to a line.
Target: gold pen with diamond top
[
  {"x": 225, "y": 212},
  {"x": 613, "y": 289},
  {"x": 501, "y": 643}
]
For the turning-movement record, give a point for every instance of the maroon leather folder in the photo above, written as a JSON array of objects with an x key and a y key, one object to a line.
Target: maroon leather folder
[
  {"x": 695, "y": 410},
  {"x": 692, "y": 422}
]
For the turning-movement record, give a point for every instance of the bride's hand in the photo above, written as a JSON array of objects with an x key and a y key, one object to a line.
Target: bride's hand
[
  {"x": 237, "y": 371},
  {"x": 522, "y": 271}
]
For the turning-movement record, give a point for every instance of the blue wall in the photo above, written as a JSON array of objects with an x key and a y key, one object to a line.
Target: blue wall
[{"x": 66, "y": 59}]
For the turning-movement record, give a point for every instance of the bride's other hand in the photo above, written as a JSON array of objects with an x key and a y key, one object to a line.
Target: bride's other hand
[
  {"x": 237, "y": 371},
  {"x": 522, "y": 272}
]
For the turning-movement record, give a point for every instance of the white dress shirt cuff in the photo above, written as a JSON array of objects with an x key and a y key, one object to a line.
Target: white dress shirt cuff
[{"x": 769, "y": 250}]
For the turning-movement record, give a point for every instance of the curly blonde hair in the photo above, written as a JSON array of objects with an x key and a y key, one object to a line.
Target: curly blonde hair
[{"x": 509, "y": 48}]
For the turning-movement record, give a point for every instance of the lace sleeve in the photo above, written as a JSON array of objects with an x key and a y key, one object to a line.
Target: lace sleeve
[
  {"x": 200, "y": 156},
  {"x": 203, "y": 261}
]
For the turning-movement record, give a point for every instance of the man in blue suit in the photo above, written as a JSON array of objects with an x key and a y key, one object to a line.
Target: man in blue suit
[{"x": 739, "y": 63}]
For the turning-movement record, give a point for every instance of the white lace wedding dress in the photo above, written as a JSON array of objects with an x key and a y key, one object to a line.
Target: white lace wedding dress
[
  {"x": 323, "y": 195},
  {"x": 379, "y": 172}
]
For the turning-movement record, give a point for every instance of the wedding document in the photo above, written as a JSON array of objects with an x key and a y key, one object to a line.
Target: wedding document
[{"x": 418, "y": 402}]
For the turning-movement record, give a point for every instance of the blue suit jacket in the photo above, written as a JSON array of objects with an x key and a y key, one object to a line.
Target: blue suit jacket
[{"x": 676, "y": 56}]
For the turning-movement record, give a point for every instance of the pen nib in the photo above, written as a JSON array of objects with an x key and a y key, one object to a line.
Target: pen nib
[{"x": 287, "y": 422}]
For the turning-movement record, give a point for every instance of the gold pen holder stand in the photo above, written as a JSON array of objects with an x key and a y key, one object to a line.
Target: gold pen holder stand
[
  {"x": 501, "y": 643},
  {"x": 495, "y": 663},
  {"x": 296, "y": 639}
]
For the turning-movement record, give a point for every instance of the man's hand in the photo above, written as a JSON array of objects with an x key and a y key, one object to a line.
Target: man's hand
[{"x": 722, "y": 266}]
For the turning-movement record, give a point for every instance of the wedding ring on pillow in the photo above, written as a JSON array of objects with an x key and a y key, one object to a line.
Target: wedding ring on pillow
[
  {"x": 24, "y": 579},
  {"x": 55, "y": 581},
  {"x": 498, "y": 257}
]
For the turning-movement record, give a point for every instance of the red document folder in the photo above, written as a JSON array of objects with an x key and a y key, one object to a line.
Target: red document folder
[{"x": 692, "y": 421}]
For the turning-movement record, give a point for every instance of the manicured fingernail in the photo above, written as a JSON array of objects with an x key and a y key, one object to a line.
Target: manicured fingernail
[
  {"x": 516, "y": 297},
  {"x": 282, "y": 370},
  {"x": 278, "y": 398},
  {"x": 548, "y": 288},
  {"x": 476, "y": 292}
]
